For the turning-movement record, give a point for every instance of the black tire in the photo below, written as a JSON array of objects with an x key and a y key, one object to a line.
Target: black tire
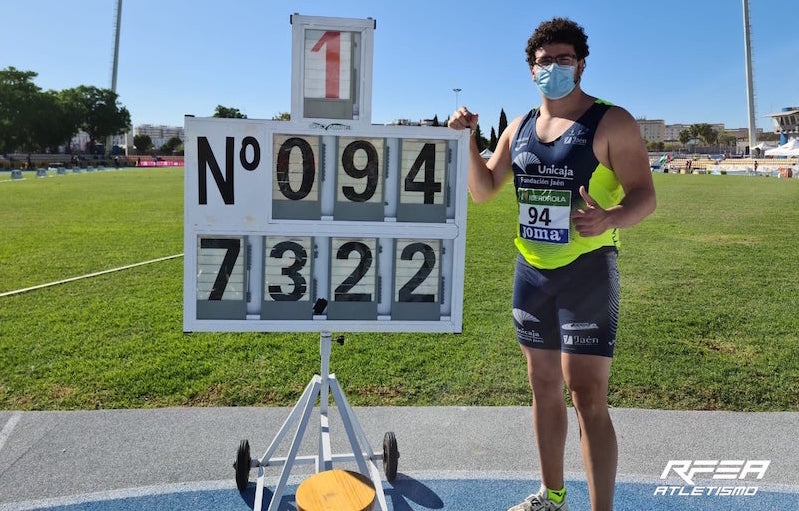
[
  {"x": 390, "y": 456},
  {"x": 242, "y": 465}
]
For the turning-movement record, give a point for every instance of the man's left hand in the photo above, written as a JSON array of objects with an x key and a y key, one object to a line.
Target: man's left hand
[{"x": 591, "y": 220}]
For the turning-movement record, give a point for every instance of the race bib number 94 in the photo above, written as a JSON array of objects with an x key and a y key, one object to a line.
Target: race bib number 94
[{"x": 544, "y": 215}]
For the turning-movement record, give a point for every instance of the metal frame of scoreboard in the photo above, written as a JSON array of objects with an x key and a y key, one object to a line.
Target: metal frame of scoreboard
[{"x": 279, "y": 214}]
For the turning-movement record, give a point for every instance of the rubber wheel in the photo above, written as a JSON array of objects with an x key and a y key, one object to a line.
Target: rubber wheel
[
  {"x": 390, "y": 456},
  {"x": 242, "y": 465}
]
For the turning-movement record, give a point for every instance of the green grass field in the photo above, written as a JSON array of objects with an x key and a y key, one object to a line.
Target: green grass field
[{"x": 710, "y": 298}]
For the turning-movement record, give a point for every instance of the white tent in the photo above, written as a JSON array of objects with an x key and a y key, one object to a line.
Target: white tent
[
  {"x": 763, "y": 146},
  {"x": 790, "y": 148},
  {"x": 486, "y": 153}
]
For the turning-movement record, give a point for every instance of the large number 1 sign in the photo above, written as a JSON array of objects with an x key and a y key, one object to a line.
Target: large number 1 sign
[
  {"x": 332, "y": 67},
  {"x": 329, "y": 64}
]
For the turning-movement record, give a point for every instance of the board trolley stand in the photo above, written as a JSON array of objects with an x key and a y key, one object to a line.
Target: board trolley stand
[{"x": 320, "y": 386}]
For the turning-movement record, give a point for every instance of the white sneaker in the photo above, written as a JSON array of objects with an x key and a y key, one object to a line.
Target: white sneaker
[{"x": 540, "y": 502}]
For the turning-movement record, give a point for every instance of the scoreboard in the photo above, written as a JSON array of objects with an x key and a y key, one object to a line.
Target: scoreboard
[{"x": 279, "y": 214}]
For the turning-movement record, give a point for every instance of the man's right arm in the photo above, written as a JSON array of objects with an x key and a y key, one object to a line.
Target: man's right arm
[{"x": 485, "y": 177}]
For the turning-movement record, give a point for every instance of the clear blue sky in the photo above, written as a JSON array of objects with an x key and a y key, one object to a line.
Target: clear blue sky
[{"x": 678, "y": 60}]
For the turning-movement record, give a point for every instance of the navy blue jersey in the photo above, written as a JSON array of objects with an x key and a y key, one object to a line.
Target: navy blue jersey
[{"x": 547, "y": 177}]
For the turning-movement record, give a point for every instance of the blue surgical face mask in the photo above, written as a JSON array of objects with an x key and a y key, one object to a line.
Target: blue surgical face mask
[{"x": 555, "y": 81}]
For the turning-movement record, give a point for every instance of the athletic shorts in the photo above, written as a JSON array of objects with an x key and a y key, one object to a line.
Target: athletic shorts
[{"x": 574, "y": 309}]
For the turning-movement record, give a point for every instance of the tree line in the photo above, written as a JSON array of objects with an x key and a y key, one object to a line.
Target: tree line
[
  {"x": 483, "y": 142},
  {"x": 36, "y": 120},
  {"x": 33, "y": 120},
  {"x": 144, "y": 143}
]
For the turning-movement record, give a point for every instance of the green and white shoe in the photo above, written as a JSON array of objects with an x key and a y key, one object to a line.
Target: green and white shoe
[{"x": 540, "y": 502}]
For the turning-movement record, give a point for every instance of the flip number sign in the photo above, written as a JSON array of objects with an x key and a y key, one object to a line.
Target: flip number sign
[
  {"x": 328, "y": 64},
  {"x": 332, "y": 68},
  {"x": 279, "y": 214},
  {"x": 424, "y": 183},
  {"x": 288, "y": 281},
  {"x": 295, "y": 187},
  {"x": 369, "y": 218},
  {"x": 353, "y": 278},
  {"x": 417, "y": 278},
  {"x": 221, "y": 278},
  {"x": 360, "y": 175}
]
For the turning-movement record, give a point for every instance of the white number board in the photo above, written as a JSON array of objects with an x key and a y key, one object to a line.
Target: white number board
[{"x": 281, "y": 214}]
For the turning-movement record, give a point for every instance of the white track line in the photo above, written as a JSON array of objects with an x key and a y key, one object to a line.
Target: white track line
[
  {"x": 8, "y": 428},
  {"x": 72, "y": 279},
  {"x": 126, "y": 493},
  {"x": 294, "y": 480}
]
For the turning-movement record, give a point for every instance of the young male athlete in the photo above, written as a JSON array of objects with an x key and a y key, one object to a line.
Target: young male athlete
[{"x": 581, "y": 172}]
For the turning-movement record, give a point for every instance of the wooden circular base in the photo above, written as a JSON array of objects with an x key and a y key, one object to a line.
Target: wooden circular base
[{"x": 336, "y": 490}]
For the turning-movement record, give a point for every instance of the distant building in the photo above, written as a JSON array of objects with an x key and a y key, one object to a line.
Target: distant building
[
  {"x": 652, "y": 130},
  {"x": 421, "y": 122},
  {"x": 786, "y": 123},
  {"x": 159, "y": 134},
  {"x": 673, "y": 131},
  {"x": 404, "y": 122},
  {"x": 719, "y": 128},
  {"x": 80, "y": 142},
  {"x": 743, "y": 133}
]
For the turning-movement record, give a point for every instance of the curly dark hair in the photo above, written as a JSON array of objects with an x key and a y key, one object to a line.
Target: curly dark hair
[{"x": 554, "y": 31}]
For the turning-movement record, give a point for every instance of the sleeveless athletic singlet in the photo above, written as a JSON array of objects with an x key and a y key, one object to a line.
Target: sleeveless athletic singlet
[{"x": 547, "y": 178}]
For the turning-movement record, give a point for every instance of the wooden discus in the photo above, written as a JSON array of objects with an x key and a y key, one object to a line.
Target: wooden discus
[{"x": 335, "y": 490}]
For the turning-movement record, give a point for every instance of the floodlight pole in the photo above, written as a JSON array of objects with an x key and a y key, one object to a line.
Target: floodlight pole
[
  {"x": 114, "y": 68},
  {"x": 750, "y": 90},
  {"x": 116, "y": 46}
]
